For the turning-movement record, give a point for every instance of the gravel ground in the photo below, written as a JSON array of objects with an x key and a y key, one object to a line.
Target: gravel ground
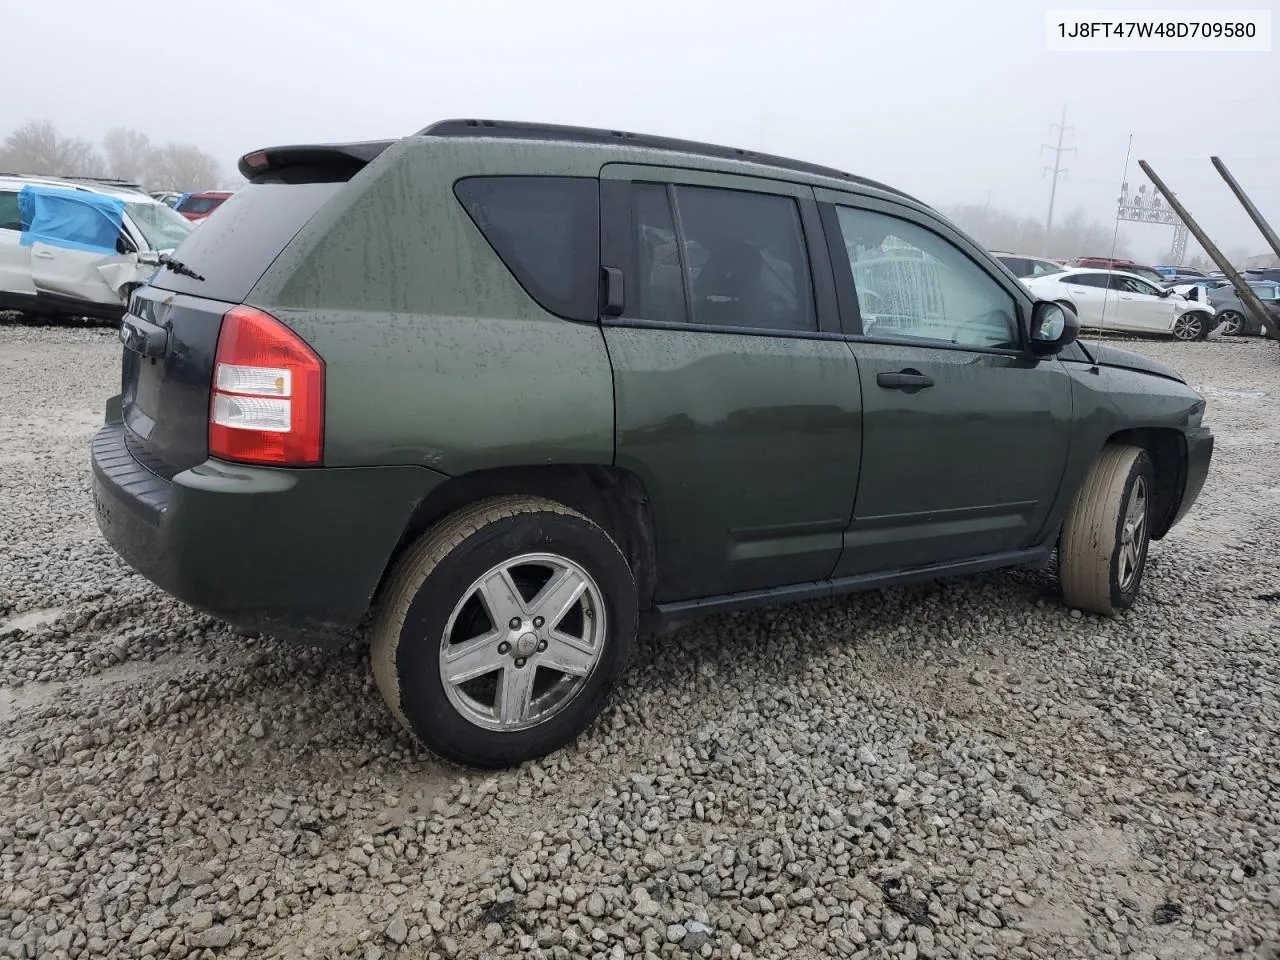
[{"x": 963, "y": 769}]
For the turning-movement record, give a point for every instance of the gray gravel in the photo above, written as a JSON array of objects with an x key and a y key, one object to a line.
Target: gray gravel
[{"x": 963, "y": 769}]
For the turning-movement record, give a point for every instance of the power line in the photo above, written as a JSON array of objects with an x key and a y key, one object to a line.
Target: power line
[{"x": 1057, "y": 169}]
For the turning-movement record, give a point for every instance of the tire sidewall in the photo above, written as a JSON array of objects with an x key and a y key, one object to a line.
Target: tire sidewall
[
  {"x": 423, "y": 700},
  {"x": 1124, "y": 599}
]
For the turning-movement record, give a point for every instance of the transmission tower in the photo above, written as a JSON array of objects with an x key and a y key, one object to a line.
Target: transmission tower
[
  {"x": 1143, "y": 207},
  {"x": 1057, "y": 169}
]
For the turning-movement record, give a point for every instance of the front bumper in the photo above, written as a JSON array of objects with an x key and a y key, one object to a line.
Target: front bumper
[{"x": 292, "y": 553}]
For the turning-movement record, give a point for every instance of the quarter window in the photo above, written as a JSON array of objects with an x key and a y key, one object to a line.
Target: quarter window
[
  {"x": 547, "y": 231},
  {"x": 912, "y": 284}
]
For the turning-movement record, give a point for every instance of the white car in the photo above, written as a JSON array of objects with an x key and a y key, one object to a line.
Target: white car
[
  {"x": 78, "y": 248},
  {"x": 1116, "y": 300}
]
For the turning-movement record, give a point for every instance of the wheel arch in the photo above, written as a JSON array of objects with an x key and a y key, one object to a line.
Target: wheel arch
[
  {"x": 609, "y": 496},
  {"x": 1167, "y": 449}
]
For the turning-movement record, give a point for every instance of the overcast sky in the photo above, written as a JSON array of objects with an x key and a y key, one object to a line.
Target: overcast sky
[{"x": 948, "y": 101}]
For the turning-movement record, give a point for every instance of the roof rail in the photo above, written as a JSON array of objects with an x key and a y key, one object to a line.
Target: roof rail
[
  {"x": 570, "y": 134},
  {"x": 76, "y": 178}
]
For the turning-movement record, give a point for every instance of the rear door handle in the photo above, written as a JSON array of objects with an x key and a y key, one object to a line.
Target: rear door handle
[
  {"x": 43, "y": 255},
  {"x": 909, "y": 381}
]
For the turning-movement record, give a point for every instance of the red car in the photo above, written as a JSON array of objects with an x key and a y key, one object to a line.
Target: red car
[
  {"x": 1128, "y": 266},
  {"x": 196, "y": 206}
]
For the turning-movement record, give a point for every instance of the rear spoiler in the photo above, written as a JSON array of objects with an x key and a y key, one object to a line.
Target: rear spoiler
[{"x": 352, "y": 155}]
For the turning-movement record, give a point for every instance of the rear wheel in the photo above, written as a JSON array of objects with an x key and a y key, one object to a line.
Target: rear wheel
[
  {"x": 1103, "y": 552},
  {"x": 1232, "y": 323},
  {"x": 503, "y": 631},
  {"x": 1189, "y": 326}
]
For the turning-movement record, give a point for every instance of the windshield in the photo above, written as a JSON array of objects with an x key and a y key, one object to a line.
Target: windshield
[{"x": 160, "y": 226}]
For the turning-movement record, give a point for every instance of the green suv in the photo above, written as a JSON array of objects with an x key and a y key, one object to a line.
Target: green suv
[{"x": 502, "y": 395}]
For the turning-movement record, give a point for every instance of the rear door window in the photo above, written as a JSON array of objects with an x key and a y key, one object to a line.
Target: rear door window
[
  {"x": 547, "y": 232},
  {"x": 745, "y": 259},
  {"x": 10, "y": 218}
]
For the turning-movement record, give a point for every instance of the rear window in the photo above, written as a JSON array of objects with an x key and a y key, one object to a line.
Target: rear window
[
  {"x": 233, "y": 250},
  {"x": 199, "y": 204},
  {"x": 547, "y": 232},
  {"x": 10, "y": 218}
]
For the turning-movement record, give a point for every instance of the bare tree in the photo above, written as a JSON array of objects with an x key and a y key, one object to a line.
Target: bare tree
[
  {"x": 182, "y": 166},
  {"x": 1073, "y": 236},
  {"x": 36, "y": 147},
  {"x": 129, "y": 153}
]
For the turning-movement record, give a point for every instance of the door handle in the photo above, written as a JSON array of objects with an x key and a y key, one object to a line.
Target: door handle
[
  {"x": 43, "y": 255},
  {"x": 1125, "y": 297},
  {"x": 908, "y": 381}
]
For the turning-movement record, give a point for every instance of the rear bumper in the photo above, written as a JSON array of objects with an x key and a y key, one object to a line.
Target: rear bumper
[
  {"x": 1199, "y": 455},
  {"x": 292, "y": 553}
]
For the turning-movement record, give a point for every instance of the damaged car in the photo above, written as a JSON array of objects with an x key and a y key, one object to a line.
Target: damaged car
[{"x": 78, "y": 249}]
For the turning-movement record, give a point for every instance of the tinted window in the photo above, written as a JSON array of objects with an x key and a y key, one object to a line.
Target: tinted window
[
  {"x": 200, "y": 204},
  {"x": 1040, "y": 267},
  {"x": 1017, "y": 265},
  {"x": 745, "y": 259},
  {"x": 233, "y": 250},
  {"x": 1265, "y": 291},
  {"x": 547, "y": 232},
  {"x": 659, "y": 282},
  {"x": 1087, "y": 280},
  {"x": 913, "y": 284},
  {"x": 10, "y": 219}
]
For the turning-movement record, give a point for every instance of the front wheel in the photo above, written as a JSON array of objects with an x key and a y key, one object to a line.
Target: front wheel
[
  {"x": 1103, "y": 552},
  {"x": 503, "y": 631},
  {"x": 1189, "y": 326}
]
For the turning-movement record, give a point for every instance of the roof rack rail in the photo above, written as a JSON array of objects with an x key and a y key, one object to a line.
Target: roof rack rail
[
  {"x": 572, "y": 134},
  {"x": 76, "y": 178}
]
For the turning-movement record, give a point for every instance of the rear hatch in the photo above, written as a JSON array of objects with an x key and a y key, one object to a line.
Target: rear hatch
[{"x": 170, "y": 332}]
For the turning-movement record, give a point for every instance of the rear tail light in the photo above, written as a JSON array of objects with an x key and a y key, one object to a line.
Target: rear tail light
[{"x": 267, "y": 402}]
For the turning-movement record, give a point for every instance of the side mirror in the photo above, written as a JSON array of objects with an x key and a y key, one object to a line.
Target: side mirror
[{"x": 1054, "y": 325}]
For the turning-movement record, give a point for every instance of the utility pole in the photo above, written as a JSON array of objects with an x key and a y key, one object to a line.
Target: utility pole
[{"x": 1057, "y": 169}]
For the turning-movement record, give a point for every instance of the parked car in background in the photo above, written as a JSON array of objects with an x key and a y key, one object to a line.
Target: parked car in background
[
  {"x": 1261, "y": 273},
  {"x": 1119, "y": 300},
  {"x": 196, "y": 206},
  {"x": 562, "y": 427},
  {"x": 1023, "y": 266},
  {"x": 1150, "y": 274},
  {"x": 72, "y": 248},
  {"x": 1173, "y": 274},
  {"x": 1236, "y": 320},
  {"x": 169, "y": 198}
]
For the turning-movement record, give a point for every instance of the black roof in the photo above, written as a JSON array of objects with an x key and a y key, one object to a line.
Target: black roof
[{"x": 568, "y": 134}]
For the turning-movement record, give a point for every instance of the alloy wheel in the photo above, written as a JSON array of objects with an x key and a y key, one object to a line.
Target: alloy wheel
[{"x": 522, "y": 641}]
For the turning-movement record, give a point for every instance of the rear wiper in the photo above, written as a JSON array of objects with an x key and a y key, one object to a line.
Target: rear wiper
[{"x": 177, "y": 266}]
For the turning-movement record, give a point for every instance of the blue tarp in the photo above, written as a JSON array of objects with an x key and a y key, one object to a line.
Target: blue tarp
[{"x": 76, "y": 219}]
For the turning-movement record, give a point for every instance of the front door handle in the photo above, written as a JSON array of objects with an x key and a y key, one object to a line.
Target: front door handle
[
  {"x": 908, "y": 381},
  {"x": 43, "y": 255}
]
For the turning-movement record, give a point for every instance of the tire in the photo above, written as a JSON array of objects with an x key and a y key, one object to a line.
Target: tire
[
  {"x": 1233, "y": 323},
  {"x": 1103, "y": 551},
  {"x": 1189, "y": 327},
  {"x": 434, "y": 602}
]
